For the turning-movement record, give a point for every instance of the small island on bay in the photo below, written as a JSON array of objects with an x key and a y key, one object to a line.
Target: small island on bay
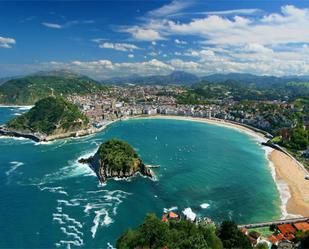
[
  {"x": 51, "y": 118},
  {"x": 116, "y": 158}
]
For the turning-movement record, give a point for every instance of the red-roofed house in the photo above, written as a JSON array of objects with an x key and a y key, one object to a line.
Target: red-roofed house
[{"x": 286, "y": 229}]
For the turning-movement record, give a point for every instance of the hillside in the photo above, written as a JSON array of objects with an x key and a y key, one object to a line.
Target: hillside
[
  {"x": 49, "y": 116},
  {"x": 28, "y": 90}
]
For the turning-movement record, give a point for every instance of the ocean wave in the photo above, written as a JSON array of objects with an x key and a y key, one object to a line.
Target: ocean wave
[
  {"x": 68, "y": 243},
  {"x": 75, "y": 236},
  {"x": 109, "y": 246},
  {"x": 107, "y": 220},
  {"x": 69, "y": 203},
  {"x": 14, "y": 167},
  {"x": 103, "y": 204},
  {"x": 58, "y": 190},
  {"x": 205, "y": 205},
  {"x": 25, "y": 108},
  {"x": 283, "y": 189},
  {"x": 166, "y": 210}
]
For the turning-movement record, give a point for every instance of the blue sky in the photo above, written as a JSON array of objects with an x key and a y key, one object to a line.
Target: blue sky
[{"x": 119, "y": 38}]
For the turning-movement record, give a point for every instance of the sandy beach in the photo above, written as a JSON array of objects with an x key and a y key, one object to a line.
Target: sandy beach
[
  {"x": 295, "y": 197},
  {"x": 289, "y": 172}
]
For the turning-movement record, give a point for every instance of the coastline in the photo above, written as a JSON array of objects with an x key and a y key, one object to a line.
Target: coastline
[
  {"x": 286, "y": 172},
  {"x": 288, "y": 176}
]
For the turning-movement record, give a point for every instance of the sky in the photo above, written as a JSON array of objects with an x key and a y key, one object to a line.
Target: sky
[{"x": 106, "y": 39}]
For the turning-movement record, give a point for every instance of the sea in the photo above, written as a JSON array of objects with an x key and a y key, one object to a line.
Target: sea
[{"x": 49, "y": 200}]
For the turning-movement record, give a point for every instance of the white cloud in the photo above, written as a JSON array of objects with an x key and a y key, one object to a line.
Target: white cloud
[
  {"x": 6, "y": 42},
  {"x": 232, "y": 12},
  {"x": 119, "y": 46},
  {"x": 52, "y": 25},
  {"x": 168, "y": 9},
  {"x": 144, "y": 34},
  {"x": 131, "y": 55},
  {"x": 287, "y": 26},
  {"x": 180, "y": 42},
  {"x": 66, "y": 25}
]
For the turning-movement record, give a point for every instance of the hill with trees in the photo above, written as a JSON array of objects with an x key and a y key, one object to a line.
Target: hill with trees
[
  {"x": 28, "y": 90},
  {"x": 49, "y": 116},
  {"x": 155, "y": 234}
]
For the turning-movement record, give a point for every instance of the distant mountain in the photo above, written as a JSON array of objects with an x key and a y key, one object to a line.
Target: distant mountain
[
  {"x": 30, "y": 89},
  {"x": 3, "y": 80},
  {"x": 177, "y": 78},
  {"x": 251, "y": 79},
  {"x": 60, "y": 73}
]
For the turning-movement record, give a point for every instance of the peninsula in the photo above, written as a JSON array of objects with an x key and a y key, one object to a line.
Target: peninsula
[
  {"x": 116, "y": 158},
  {"x": 49, "y": 119}
]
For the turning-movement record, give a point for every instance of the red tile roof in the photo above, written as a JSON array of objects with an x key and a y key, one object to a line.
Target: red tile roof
[
  {"x": 286, "y": 229},
  {"x": 164, "y": 218},
  {"x": 302, "y": 226},
  {"x": 172, "y": 215}
]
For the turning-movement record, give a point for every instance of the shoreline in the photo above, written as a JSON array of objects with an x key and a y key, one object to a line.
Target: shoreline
[
  {"x": 292, "y": 187},
  {"x": 17, "y": 106},
  {"x": 293, "y": 201},
  {"x": 291, "y": 177}
]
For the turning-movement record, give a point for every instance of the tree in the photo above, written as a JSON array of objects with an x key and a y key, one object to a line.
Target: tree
[
  {"x": 262, "y": 246},
  {"x": 232, "y": 237}
]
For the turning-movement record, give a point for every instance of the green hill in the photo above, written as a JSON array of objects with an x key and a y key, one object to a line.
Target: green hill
[
  {"x": 50, "y": 116},
  {"x": 30, "y": 89}
]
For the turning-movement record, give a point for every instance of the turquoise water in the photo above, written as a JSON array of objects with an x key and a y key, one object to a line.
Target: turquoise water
[{"x": 47, "y": 199}]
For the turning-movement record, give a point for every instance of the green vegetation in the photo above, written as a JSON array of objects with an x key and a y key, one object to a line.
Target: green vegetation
[
  {"x": 232, "y": 237},
  {"x": 50, "y": 116},
  {"x": 264, "y": 231},
  {"x": 303, "y": 238},
  {"x": 154, "y": 234},
  {"x": 30, "y": 89},
  {"x": 119, "y": 156},
  {"x": 239, "y": 91},
  {"x": 203, "y": 91}
]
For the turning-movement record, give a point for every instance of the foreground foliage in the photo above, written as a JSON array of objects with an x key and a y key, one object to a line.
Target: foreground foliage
[{"x": 153, "y": 234}]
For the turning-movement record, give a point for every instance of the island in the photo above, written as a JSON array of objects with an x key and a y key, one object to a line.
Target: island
[
  {"x": 51, "y": 118},
  {"x": 116, "y": 158}
]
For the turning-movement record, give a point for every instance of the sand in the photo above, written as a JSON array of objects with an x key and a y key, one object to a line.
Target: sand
[{"x": 288, "y": 171}]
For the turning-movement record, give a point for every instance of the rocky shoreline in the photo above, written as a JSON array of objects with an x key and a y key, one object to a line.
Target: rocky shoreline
[{"x": 37, "y": 137}]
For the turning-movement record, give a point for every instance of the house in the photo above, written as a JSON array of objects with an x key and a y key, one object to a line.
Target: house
[
  {"x": 189, "y": 214},
  {"x": 302, "y": 226},
  {"x": 286, "y": 229},
  {"x": 254, "y": 237},
  {"x": 170, "y": 216},
  {"x": 275, "y": 239},
  {"x": 244, "y": 230}
]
